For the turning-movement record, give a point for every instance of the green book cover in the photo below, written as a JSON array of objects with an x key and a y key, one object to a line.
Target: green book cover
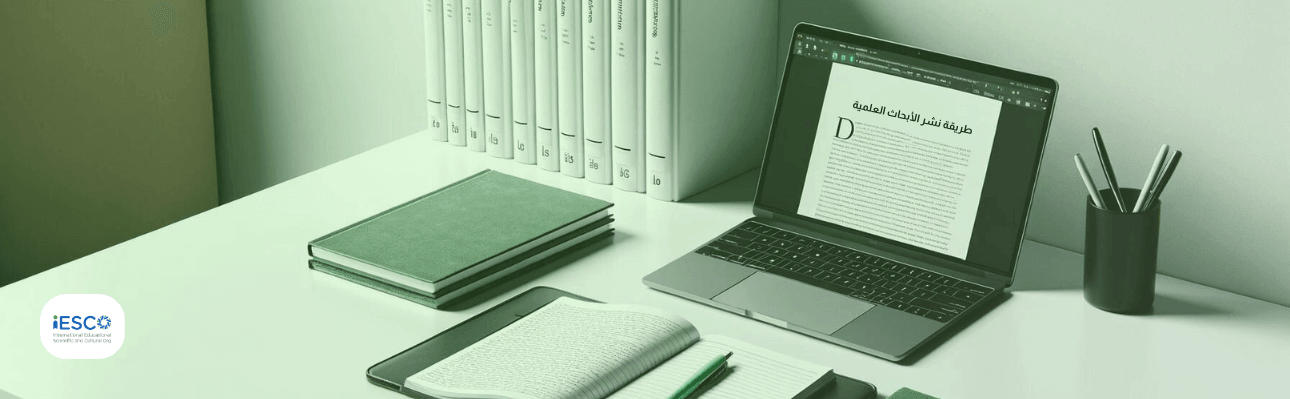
[
  {"x": 562, "y": 246},
  {"x": 437, "y": 239}
]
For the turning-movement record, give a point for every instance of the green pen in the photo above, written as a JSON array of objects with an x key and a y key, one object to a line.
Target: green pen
[{"x": 706, "y": 373}]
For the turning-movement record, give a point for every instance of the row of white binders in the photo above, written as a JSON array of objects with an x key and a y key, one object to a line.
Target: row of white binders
[{"x": 666, "y": 97}]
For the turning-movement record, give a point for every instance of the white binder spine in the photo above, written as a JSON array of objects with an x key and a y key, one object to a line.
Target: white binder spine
[
  {"x": 454, "y": 75},
  {"x": 596, "y": 51},
  {"x": 545, "y": 89},
  {"x": 627, "y": 89},
  {"x": 569, "y": 83},
  {"x": 506, "y": 142},
  {"x": 522, "y": 80},
  {"x": 660, "y": 100},
  {"x": 495, "y": 85},
  {"x": 435, "y": 113},
  {"x": 474, "y": 70}
]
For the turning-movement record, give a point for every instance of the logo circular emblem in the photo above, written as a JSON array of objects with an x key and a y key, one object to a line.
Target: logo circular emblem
[{"x": 105, "y": 322}]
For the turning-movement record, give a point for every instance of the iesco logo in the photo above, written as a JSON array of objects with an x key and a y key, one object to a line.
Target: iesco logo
[
  {"x": 82, "y": 322},
  {"x": 82, "y": 326}
]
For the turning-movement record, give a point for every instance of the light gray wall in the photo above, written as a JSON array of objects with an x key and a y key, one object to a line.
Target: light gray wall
[
  {"x": 1210, "y": 78},
  {"x": 299, "y": 84}
]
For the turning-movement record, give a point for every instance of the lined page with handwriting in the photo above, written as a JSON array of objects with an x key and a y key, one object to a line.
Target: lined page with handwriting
[
  {"x": 568, "y": 349},
  {"x": 755, "y": 373}
]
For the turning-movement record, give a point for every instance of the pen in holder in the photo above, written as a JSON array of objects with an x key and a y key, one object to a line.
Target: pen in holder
[{"x": 1120, "y": 255}]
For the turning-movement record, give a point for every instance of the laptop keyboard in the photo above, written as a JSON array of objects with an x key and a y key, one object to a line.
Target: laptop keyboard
[{"x": 849, "y": 272}]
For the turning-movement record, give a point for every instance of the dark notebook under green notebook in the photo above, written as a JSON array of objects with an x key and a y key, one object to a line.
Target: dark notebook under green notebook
[{"x": 446, "y": 243}]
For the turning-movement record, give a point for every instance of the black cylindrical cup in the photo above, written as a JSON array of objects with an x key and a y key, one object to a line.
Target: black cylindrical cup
[{"x": 1120, "y": 254}]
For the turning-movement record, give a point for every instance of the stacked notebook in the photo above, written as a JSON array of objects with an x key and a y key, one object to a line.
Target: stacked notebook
[
  {"x": 651, "y": 96},
  {"x": 442, "y": 246}
]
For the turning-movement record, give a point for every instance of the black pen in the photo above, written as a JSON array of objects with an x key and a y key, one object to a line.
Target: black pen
[{"x": 1106, "y": 169}]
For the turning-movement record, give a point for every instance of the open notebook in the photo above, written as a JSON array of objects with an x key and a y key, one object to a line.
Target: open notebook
[{"x": 581, "y": 350}]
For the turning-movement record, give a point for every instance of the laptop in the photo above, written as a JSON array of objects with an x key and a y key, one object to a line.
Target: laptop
[{"x": 892, "y": 201}]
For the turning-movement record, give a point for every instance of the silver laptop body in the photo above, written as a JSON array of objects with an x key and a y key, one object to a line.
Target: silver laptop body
[{"x": 877, "y": 292}]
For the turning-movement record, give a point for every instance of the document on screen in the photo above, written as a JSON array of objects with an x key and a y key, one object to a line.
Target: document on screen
[{"x": 899, "y": 158}]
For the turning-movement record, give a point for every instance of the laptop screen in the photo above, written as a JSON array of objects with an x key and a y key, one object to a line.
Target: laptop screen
[{"x": 917, "y": 149}]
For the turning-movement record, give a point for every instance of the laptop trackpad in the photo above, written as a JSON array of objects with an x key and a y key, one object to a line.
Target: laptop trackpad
[{"x": 794, "y": 302}]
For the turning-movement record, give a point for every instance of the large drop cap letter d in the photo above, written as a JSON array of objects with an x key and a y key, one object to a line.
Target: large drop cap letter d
[{"x": 850, "y": 128}]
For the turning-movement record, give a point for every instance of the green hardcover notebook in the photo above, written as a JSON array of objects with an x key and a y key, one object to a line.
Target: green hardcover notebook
[
  {"x": 571, "y": 242},
  {"x": 446, "y": 236}
]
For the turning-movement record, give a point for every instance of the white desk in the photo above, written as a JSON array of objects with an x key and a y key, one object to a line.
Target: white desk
[{"x": 223, "y": 305}]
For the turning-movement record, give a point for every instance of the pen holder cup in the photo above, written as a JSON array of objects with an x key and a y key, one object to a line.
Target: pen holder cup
[{"x": 1120, "y": 255}]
